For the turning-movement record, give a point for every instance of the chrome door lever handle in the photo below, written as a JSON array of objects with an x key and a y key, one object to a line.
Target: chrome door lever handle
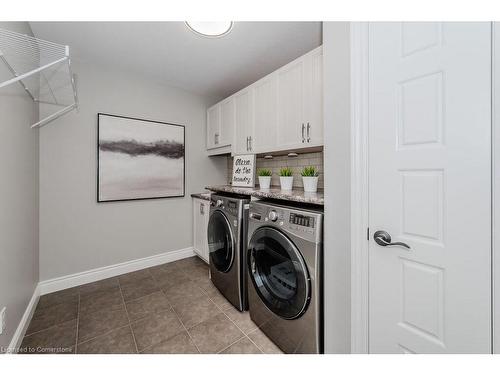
[{"x": 383, "y": 238}]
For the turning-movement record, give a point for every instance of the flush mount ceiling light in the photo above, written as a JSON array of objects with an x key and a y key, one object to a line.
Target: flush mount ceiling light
[{"x": 211, "y": 29}]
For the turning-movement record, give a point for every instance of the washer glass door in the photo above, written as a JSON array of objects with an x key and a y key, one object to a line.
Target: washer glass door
[
  {"x": 220, "y": 242},
  {"x": 278, "y": 273}
]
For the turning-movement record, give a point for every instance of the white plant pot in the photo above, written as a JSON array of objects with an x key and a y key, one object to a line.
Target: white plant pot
[
  {"x": 286, "y": 183},
  {"x": 310, "y": 184},
  {"x": 265, "y": 182}
]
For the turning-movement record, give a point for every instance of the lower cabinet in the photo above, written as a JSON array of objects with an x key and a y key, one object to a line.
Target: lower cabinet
[{"x": 201, "y": 212}]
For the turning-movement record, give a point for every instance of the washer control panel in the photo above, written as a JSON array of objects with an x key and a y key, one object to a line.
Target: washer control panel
[
  {"x": 299, "y": 222},
  {"x": 226, "y": 204},
  {"x": 272, "y": 215},
  {"x": 231, "y": 206}
]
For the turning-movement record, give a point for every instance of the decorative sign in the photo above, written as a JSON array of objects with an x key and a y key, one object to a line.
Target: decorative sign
[{"x": 244, "y": 171}]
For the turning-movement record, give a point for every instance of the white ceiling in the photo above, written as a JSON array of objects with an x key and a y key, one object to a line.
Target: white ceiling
[{"x": 170, "y": 52}]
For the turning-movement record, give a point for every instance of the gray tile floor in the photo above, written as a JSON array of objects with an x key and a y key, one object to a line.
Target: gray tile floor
[{"x": 171, "y": 308}]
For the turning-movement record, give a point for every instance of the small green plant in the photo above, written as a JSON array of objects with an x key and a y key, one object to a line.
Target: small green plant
[
  {"x": 309, "y": 172},
  {"x": 265, "y": 172},
  {"x": 286, "y": 172}
]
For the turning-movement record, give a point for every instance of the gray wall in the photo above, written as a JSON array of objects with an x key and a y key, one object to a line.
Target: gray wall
[
  {"x": 337, "y": 166},
  {"x": 18, "y": 197},
  {"x": 78, "y": 234}
]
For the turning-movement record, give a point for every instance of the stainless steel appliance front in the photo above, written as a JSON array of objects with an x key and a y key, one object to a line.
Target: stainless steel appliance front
[
  {"x": 227, "y": 231},
  {"x": 285, "y": 275}
]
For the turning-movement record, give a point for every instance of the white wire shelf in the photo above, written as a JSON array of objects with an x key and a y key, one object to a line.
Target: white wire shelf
[{"x": 43, "y": 69}]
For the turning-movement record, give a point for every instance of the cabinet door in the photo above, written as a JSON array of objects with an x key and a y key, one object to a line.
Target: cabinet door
[
  {"x": 290, "y": 111},
  {"x": 243, "y": 106},
  {"x": 313, "y": 97},
  {"x": 201, "y": 211},
  {"x": 265, "y": 114},
  {"x": 226, "y": 122},
  {"x": 205, "y": 229},
  {"x": 197, "y": 226},
  {"x": 213, "y": 127}
]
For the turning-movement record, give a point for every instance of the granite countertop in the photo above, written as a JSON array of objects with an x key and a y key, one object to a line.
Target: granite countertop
[
  {"x": 205, "y": 196},
  {"x": 295, "y": 195}
]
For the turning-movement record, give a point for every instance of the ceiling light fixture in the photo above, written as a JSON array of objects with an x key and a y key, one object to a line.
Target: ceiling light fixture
[{"x": 211, "y": 29}]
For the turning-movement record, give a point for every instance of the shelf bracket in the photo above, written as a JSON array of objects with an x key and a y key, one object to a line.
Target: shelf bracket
[
  {"x": 31, "y": 72},
  {"x": 53, "y": 116}
]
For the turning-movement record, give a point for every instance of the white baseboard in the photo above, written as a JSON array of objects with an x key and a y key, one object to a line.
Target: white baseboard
[
  {"x": 17, "y": 339},
  {"x": 69, "y": 281}
]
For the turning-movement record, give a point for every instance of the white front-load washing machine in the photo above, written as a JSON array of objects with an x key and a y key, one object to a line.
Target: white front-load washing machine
[{"x": 285, "y": 261}]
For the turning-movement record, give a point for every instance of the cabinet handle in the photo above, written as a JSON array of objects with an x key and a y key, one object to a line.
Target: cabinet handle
[
  {"x": 303, "y": 138},
  {"x": 308, "y": 133},
  {"x": 250, "y": 138},
  {"x": 247, "y": 143},
  {"x": 202, "y": 209},
  {"x": 216, "y": 138}
]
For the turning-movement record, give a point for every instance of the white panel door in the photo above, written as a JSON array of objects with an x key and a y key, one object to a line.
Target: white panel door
[
  {"x": 243, "y": 127},
  {"x": 313, "y": 97},
  {"x": 291, "y": 126},
  {"x": 226, "y": 121},
  {"x": 265, "y": 114},
  {"x": 213, "y": 126},
  {"x": 429, "y": 187}
]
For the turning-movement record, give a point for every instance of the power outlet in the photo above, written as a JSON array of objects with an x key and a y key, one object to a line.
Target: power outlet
[{"x": 2, "y": 320}]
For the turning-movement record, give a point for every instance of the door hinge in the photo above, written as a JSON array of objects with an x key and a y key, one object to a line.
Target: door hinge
[{"x": 368, "y": 234}]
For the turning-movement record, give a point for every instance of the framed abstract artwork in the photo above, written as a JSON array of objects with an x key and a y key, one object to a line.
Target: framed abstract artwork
[{"x": 139, "y": 159}]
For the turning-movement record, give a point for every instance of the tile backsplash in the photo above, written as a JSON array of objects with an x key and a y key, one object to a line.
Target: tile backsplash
[{"x": 296, "y": 163}]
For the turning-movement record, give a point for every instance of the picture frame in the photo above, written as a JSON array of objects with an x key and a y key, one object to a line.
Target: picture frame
[{"x": 139, "y": 159}]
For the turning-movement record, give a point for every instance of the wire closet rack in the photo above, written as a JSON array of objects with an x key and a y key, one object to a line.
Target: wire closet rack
[{"x": 43, "y": 69}]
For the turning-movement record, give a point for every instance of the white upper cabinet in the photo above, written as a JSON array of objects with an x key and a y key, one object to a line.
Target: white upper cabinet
[
  {"x": 213, "y": 127},
  {"x": 313, "y": 98},
  {"x": 244, "y": 124},
  {"x": 300, "y": 102},
  {"x": 291, "y": 127},
  {"x": 282, "y": 111},
  {"x": 265, "y": 111},
  {"x": 227, "y": 122},
  {"x": 220, "y": 126}
]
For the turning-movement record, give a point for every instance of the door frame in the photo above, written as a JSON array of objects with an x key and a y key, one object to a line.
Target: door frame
[
  {"x": 495, "y": 180},
  {"x": 359, "y": 188}
]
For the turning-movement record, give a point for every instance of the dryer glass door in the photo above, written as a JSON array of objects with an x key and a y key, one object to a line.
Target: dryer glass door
[
  {"x": 278, "y": 273},
  {"x": 220, "y": 242}
]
